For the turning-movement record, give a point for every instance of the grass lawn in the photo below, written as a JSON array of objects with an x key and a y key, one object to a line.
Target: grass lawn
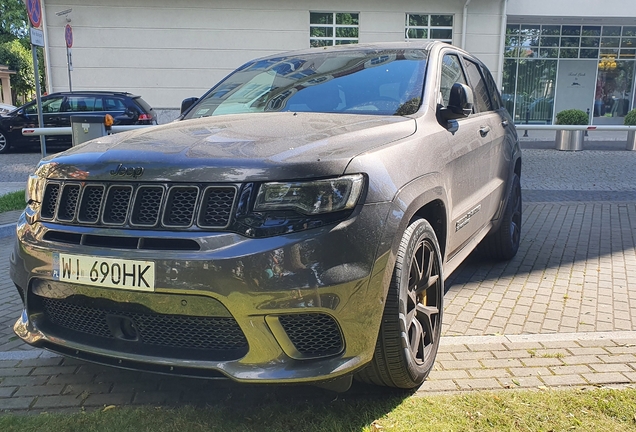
[
  {"x": 530, "y": 410},
  {"x": 12, "y": 201}
]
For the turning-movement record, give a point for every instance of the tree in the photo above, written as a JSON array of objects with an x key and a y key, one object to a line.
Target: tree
[
  {"x": 14, "y": 21},
  {"x": 19, "y": 59}
]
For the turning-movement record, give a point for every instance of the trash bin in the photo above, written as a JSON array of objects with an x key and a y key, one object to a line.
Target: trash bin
[{"x": 87, "y": 127}]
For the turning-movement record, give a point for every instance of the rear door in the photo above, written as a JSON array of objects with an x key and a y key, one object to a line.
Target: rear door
[{"x": 492, "y": 154}]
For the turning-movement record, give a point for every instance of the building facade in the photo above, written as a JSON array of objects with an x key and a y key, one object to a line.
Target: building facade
[{"x": 546, "y": 55}]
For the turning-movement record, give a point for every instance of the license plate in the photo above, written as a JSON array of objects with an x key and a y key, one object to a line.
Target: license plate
[{"x": 104, "y": 272}]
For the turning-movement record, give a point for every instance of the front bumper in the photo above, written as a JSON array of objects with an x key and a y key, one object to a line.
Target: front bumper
[{"x": 330, "y": 276}]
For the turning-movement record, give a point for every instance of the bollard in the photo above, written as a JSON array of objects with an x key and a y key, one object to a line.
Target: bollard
[
  {"x": 570, "y": 140},
  {"x": 631, "y": 140},
  {"x": 87, "y": 127}
]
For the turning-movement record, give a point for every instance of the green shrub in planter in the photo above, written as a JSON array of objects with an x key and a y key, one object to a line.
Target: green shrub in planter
[
  {"x": 630, "y": 118},
  {"x": 572, "y": 117}
]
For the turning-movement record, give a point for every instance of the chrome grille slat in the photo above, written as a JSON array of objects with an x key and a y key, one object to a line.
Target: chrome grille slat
[{"x": 139, "y": 205}]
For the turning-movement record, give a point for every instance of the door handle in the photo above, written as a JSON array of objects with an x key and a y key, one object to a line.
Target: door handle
[{"x": 483, "y": 131}]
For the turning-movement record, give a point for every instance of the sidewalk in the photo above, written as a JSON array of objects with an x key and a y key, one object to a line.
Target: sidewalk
[{"x": 561, "y": 313}]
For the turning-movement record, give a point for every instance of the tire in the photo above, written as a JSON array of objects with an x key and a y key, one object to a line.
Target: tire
[
  {"x": 503, "y": 244},
  {"x": 412, "y": 320},
  {"x": 4, "y": 143}
]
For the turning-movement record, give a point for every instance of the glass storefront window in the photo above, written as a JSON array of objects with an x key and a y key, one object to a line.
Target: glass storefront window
[
  {"x": 611, "y": 31},
  {"x": 550, "y": 30},
  {"x": 568, "y": 53},
  {"x": 590, "y": 42},
  {"x": 591, "y": 31},
  {"x": 571, "y": 30},
  {"x": 534, "y": 55}
]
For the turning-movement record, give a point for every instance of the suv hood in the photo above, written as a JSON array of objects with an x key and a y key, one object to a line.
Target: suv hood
[{"x": 245, "y": 147}]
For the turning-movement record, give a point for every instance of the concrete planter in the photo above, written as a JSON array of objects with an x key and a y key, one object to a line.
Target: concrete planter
[
  {"x": 570, "y": 140},
  {"x": 631, "y": 140}
]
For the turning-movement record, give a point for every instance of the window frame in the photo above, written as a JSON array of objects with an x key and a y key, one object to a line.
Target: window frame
[
  {"x": 428, "y": 27},
  {"x": 334, "y": 39}
]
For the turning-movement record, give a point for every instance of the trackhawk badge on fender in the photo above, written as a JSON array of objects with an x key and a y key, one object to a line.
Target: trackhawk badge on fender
[
  {"x": 122, "y": 170},
  {"x": 466, "y": 218}
]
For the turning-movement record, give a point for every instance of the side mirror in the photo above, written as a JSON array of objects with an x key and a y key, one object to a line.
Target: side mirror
[
  {"x": 187, "y": 103},
  {"x": 460, "y": 103}
]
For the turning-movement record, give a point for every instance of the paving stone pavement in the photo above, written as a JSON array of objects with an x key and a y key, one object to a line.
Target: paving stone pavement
[{"x": 561, "y": 313}]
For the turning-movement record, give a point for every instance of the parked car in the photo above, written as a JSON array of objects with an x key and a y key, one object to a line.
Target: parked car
[
  {"x": 295, "y": 226},
  {"x": 5, "y": 108},
  {"x": 57, "y": 109}
]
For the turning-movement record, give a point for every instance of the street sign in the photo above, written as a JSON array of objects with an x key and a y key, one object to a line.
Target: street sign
[
  {"x": 37, "y": 37},
  {"x": 68, "y": 35},
  {"x": 34, "y": 9}
]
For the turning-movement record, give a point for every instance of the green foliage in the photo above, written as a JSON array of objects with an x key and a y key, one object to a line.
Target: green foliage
[
  {"x": 12, "y": 201},
  {"x": 19, "y": 59},
  {"x": 315, "y": 411},
  {"x": 572, "y": 117},
  {"x": 630, "y": 118},
  {"x": 13, "y": 21}
]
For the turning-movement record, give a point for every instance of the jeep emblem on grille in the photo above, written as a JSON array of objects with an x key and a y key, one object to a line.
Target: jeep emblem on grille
[{"x": 122, "y": 170}]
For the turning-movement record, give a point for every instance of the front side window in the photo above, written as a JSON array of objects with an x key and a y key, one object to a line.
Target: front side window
[
  {"x": 424, "y": 26},
  {"x": 333, "y": 28},
  {"x": 451, "y": 73},
  {"x": 478, "y": 84},
  {"x": 382, "y": 82},
  {"x": 50, "y": 105}
]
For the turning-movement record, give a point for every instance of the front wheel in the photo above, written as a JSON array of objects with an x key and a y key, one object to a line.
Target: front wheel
[
  {"x": 412, "y": 321},
  {"x": 4, "y": 143}
]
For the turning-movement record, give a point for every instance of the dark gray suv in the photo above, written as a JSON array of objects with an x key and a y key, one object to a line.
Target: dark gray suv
[{"x": 295, "y": 226}]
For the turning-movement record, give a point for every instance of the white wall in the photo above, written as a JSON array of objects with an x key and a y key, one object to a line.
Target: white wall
[
  {"x": 596, "y": 9},
  {"x": 166, "y": 51}
]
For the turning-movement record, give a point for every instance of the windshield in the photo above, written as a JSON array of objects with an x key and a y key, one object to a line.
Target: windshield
[{"x": 357, "y": 82}]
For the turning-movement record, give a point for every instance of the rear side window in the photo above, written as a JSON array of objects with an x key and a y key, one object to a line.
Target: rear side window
[
  {"x": 480, "y": 90},
  {"x": 113, "y": 104},
  {"x": 451, "y": 73},
  {"x": 495, "y": 97},
  {"x": 79, "y": 104}
]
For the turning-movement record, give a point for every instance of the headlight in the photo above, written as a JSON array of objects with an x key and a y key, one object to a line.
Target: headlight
[
  {"x": 311, "y": 197},
  {"x": 34, "y": 189}
]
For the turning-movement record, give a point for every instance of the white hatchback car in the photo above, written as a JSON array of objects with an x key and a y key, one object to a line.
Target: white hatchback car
[{"x": 5, "y": 108}]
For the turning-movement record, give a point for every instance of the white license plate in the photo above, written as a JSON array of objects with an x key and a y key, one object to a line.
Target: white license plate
[{"x": 104, "y": 272}]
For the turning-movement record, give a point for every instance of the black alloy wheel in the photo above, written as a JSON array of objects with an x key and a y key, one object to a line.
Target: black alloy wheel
[
  {"x": 4, "y": 143},
  {"x": 411, "y": 325}
]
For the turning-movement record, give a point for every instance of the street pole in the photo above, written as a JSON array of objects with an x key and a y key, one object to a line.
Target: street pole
[
  {"x": 69, "y": 65},
  {"x": 36, "y": 70}
]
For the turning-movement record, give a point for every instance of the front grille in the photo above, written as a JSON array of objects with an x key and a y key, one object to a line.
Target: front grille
[
  {"x": 171, "y": 331},
  {"x": 313, "y": 335},
  {"x": 157, "y": 206}
]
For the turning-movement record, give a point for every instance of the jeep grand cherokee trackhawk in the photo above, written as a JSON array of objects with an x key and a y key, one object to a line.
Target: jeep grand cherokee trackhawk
[{"x": 295, "y": 226}]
